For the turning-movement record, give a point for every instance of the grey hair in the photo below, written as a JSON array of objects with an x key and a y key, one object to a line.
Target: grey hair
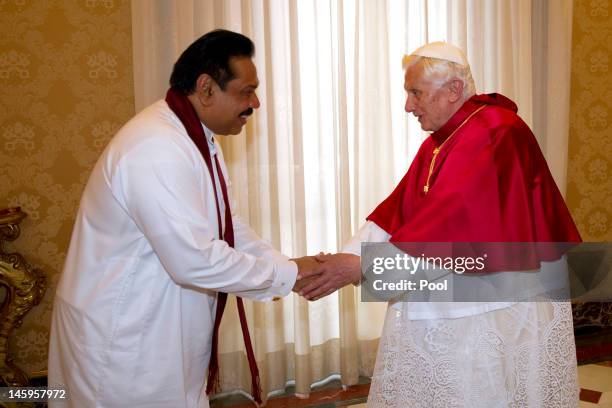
[{"x": 443, "y": 71}]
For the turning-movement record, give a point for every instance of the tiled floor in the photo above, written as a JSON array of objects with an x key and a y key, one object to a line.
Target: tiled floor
[
  {"x": 596, "y": 385},
  {"x": 595, "y": 382},
  {"x": 328, "y": 396}
]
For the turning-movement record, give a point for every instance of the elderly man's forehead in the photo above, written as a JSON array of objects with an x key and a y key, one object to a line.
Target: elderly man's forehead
[{"x": 414, "y": 71}]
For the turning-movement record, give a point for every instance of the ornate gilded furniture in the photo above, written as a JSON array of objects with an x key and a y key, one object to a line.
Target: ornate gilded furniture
[{"x": 24, "y": 288}]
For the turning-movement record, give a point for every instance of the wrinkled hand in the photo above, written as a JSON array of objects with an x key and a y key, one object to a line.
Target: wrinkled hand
[
  {"x": 308, "y": 267},
  {"x": 301, "y": 282},
  {"x": 334, "y": 272}
]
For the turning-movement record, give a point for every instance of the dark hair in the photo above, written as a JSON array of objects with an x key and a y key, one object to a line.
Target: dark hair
[{"x": 209, "y": 54}]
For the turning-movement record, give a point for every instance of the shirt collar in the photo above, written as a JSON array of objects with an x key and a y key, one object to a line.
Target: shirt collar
[{"x": 210, "y": 138}]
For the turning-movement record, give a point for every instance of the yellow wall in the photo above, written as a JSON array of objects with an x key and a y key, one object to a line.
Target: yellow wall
[
  {"x": 66, "y": 80},
  {"x": 589, "y": 190}
]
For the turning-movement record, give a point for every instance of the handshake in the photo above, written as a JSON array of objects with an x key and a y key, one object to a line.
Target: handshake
[{"x": 320, "y": 275}]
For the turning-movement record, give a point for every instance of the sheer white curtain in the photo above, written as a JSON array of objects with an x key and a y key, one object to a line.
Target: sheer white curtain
[{"x": 332, "y": 139}]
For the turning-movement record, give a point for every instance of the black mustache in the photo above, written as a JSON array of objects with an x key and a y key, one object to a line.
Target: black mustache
[{"x": 247, "y": 112}]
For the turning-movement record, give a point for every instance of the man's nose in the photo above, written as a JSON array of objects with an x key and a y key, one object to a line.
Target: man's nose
[
  {"x": 254, "y": 102},
  {"x": 409, "y": 104}
]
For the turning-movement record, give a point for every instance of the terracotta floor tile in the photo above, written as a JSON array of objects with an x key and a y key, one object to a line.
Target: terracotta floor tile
[{"x": 590, "y": 396}]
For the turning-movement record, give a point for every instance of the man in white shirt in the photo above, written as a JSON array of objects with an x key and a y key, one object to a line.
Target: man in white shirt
[{"x": 134, "y": 313}]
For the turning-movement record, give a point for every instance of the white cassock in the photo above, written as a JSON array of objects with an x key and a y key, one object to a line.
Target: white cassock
[
  {"x": 134, "y": 310},
  {"x": 474, "y": 354}
]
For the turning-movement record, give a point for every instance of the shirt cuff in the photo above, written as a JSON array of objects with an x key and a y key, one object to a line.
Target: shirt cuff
[{"x": 286, "y": 275}]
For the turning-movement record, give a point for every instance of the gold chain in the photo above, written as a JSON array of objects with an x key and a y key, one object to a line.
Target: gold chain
[{"x": 437, "y": 149}]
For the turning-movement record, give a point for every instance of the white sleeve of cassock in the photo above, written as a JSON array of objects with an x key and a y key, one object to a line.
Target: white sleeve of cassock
[{"x": 369, "y": 232}]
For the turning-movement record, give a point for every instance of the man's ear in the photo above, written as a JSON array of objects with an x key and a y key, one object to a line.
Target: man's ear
[
  {"x": 204, "y": 89},
  {"x": 456, "y": 90}
]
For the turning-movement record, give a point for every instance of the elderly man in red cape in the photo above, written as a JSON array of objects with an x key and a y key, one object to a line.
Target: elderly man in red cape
[{"x": 479, "y": 177}]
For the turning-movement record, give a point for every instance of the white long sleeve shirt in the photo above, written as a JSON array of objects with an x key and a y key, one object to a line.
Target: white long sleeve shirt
[{"x": 134, "y": 310}]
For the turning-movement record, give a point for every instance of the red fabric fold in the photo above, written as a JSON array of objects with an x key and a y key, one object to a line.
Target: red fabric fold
[
  {"x": 182, "y": 107},
  {"x": 490, "y": 183}
]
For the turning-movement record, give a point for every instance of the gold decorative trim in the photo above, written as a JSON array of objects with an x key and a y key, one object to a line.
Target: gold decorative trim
[{"x": 25, "y": 288}]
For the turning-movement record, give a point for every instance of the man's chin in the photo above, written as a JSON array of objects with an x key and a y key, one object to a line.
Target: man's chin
[
  {"x": 426, "y": 127},
  {"x": 232, "y": 129},
  {"x": 238, "y": 127},
  {"x": 423, "y": 124},
  {"x": 236, "y": 130}
]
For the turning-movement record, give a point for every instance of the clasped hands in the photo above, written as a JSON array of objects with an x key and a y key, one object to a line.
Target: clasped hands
[{"x": 321, "y": 275}]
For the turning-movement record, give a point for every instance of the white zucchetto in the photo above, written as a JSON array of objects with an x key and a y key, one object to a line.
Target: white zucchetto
[{"x": 443, "y": 51}]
